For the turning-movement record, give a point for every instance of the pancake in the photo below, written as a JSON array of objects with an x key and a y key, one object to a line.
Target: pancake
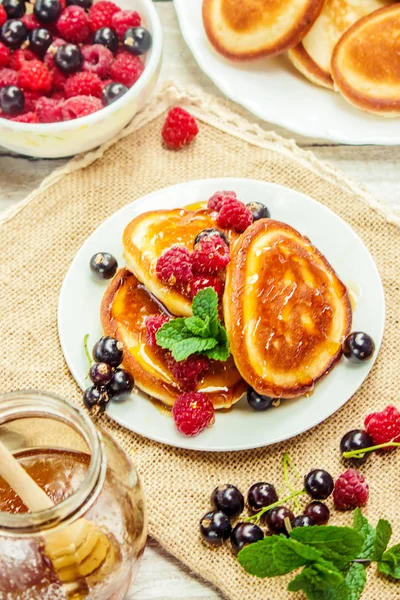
[
  {"x": 247, "y": 29},
  {"x": 152, "y": 233},
  {"x": 312, "y": 56},
  {"x": 124, "y": 308},
  {"x": 366, "y": 64},
  {"x": 286, "y": 312}
]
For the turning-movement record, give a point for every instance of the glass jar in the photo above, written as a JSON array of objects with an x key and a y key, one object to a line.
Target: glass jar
[{"x": 95, "y": 489}]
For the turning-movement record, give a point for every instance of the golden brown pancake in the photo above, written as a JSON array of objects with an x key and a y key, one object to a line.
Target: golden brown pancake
[
  {"x": 366, "y": 63},
  {"x": 247, "y": 29},
  {"x": 286, "y": 311},
  {"x": 312, "y": 56},
  {"x": 124, "y": 308}
]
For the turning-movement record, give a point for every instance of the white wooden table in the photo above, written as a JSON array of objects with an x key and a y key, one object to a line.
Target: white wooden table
[{"x": 377, "y": 168}]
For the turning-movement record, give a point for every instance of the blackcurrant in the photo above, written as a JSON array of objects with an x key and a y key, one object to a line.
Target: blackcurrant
[
  {"x": 13, "y": 33},
  {"x": 12, "y": 100},
  {"x": 101, "y": 373},
  {"x": 15, "y": 9},
  {"x": 276, "y": 519},
  {"x": 228, "y": 499},
  {"x": 106, "y": 37},
  {"x": 86, "y": 4},
  {"x": 137, "y": 40},
  {"x": 318, "y": 484},
  {"x": 357, "y": 439},
  {"x": 39, "y": 41},
  {"x": 108, "y": 350},
  {"x": 96, "y": 397},
  {"x": 208, "y": 233},
  {"x": 68, "y": 58},
  {"x": 258, "y": 402},
  {"x": 244, "y": 534},
  {"x": 261, "y": 495},
  {"x": 112, "y": 92},
  {"x": 318, "y": 511},
  {"x": 104, "y": 265},
  {"x": 302, "y": 521},
  {"x": 215, "y": 528},
  {"x": 358, "y": 347},
  {"x": 258, "y": 210},
  {"x": 121, "y": 384},
  {"x": 47, "y": 11}
]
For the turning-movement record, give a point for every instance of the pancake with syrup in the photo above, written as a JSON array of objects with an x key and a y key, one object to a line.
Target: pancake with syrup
[
  {"x": 286, "y": 311},
  {"x": 247, "y": 29},
  {"x": 125, "y": 306}
]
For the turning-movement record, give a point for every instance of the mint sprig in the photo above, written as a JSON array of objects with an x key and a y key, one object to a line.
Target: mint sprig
[{"x": 203, "y": 333}]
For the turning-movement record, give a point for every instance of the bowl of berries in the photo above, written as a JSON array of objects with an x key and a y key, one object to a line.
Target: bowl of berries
[{"x": 74, "y": 72}]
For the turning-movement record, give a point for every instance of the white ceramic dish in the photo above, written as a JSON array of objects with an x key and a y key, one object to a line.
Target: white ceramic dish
[
  {"x": 55, "y": 140},
  {"x": 276, "y": 92},
  {"x": 241, "y": 428}
]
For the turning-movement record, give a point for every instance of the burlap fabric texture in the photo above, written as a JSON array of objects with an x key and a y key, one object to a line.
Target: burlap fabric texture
[{"x": 39, "y": 241}]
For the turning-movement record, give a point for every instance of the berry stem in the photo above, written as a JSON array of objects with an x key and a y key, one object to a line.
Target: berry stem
[
  {"x": 89, "y": 358},
  {"x": 288, "y": 463},
  {"x": 257, "y": 516},
  {"x": 361, "y": 451}
]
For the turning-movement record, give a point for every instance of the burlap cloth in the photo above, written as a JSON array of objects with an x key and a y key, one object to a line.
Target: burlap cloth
[{"x": 39, "y": 241}]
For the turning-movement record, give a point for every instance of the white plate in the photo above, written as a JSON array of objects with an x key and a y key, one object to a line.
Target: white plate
[
  {"x": 78, "y": 314},
  {"x": 276, "y": 92}
]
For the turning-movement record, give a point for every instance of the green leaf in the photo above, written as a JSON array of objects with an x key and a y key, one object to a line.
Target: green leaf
[
  {"x": 289, "y": 555},
  {"x": 205, "y": 304},
  {"x": 339, "y": 545},
  {"x": 184, "y": 348},
  {"x": 356, "y": 578},
  {"x": 172, "y": 332},
  {"x": 199, "y": 327},
  {"x": 382, "y": 538},
  {"x": 257, "y": 559},
  {"x": 320, "y": 581},
  {"x": 390, "y": 562},
  {"x": 360, "y": 524}
]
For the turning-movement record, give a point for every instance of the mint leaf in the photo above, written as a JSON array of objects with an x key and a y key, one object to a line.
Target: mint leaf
[
  {"x": 172, "y": 332},
  {"x": 184, "y": 348},
  {"x": 320, "y": 581},
  {"x": 289, "y": 555},
  {"x": 221, "y": 350},
  {"x": 205, "y": 304},
  {"x": 199, "y": 327},
  {"x": 382, "y": 538},
  {"x": 390, "y": 562},
  {"x": 339, "y": 545},
  {"x": 360, "y": 524},
  {"x": 257, "y": 559},
  {"x": 356, "y": 578}
]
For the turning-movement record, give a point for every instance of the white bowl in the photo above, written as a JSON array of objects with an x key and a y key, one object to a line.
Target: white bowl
[{"x": 55, "y": 140}]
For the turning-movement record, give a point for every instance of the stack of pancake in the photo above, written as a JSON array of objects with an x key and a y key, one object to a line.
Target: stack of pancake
[{"x": 350, "y": 46}]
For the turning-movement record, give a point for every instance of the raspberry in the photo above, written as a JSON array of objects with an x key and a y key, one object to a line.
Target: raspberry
[
  {"x": 20, "y": 57},
  {"x": 180, "y": 128},
  {"x": 97, "y": 59},
  {"x": 188, "y": 372},
  {"x": 8, "y": 77},
  {"x": 210, "y": 255},
  {"x": 4, "y": 54},
  {"x": 174, "y": 266},
  {"x": 234, "y": 214},
  {"x": 48, "y": 110},
  {"x": 35, "y": 76},
  {"x": 60, "y": 95},
  {"x": 80, "y": 106},
  {"x": 126, "y": 69},
  {"x": 216, "y": 201},
  {"x": 153, "y": 324},
  {"x": 3, "y": 15},
  {"x": 193, "y": 412},
  {"x": 29, "y": 117},
  {"x": 351, "y": 490},
  {"x": 201, "y": 282},
  {"x": 73, "y": 24},
  {"x": 31, "y": 99},
  {"x": 101, "y": 13},
  {"x": 59, "y": 79},
  {"x": 384, "y": 426},
  {"x": 122, "y": 20},
  {"x": 31, "y": 22},
  {"x": 83, "y": 84}
]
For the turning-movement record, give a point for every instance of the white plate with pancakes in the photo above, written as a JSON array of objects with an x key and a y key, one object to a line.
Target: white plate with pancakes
[
  {"x": 275, "y": 91},
  {"x": 239, "y": 428}
]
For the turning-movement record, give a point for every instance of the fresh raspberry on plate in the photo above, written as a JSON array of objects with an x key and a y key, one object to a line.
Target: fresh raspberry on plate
[
  {"x": 153, "y": 324},
  {"x": 83, "y": 84},
  {"x": 8, "y": 77},
  {"x": 188, "y": 372},
  {"x": 73, "y": 24},
  {"x": 101, "y": 13},
  {"x": 48, "y": 110},
  {"x": 123, "y": 20},
  {"x": 4, "y": 55},
  {"x": 200, "y": 282},
  {"x": 3, "y": 15},
  {"x": 59, "y": 80},
  {"x": 35, "y": 76},
  {"x": 80, "y": 106},
  {"x": 210, "y": 255},
  {"x": 31, "y": 99},
  {"x": 192, "y": 413},
  {"x": 216, "y": 201},
  {"x": 97, "y": 59},
  {"x": 126, "y": 69},
  {"x": 29, "y": 117},
  {"x": 384, "y": 426},
  {"x": 234, "y": 215},
  {"x": 31, "y": 22},
  {"x": 351, "y": 490},
  {"x": 174, "y": 266},
  {"x": 180, "y": 128},
  {"x": 20, "y": 57}
]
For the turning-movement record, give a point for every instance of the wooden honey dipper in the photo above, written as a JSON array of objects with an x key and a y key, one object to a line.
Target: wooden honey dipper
[{"x": 75, "y": 551}]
